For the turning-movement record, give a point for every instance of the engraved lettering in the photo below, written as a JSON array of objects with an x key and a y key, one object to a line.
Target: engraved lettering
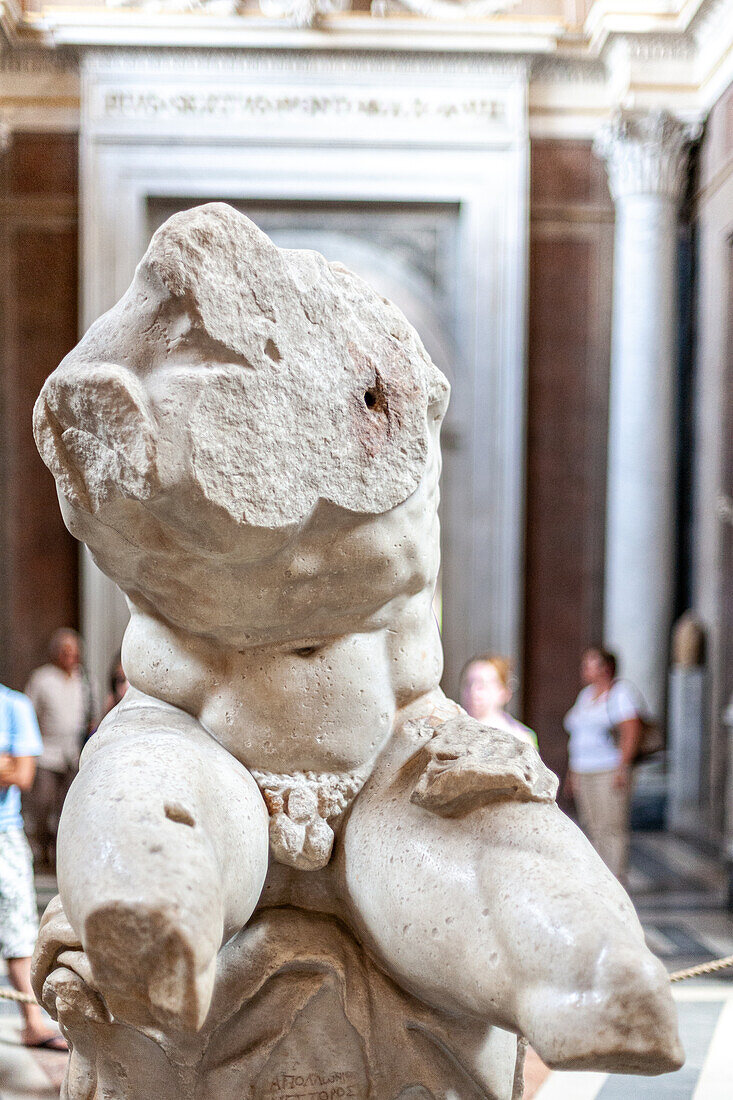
[
  {"x": 289, "y": 1086},
  {"x": 129, "y": 105}
]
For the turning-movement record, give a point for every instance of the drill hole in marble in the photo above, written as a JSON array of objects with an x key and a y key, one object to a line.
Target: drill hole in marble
[
  {"x": 375, "y": 396},
  {"x": 273, "y": 351},
  {"x": 175, "y": 812}
]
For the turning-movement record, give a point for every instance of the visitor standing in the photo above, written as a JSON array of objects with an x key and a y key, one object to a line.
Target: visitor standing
[
  {"x": 62, "y": 699},
  {"x": 118, "y": 685},
  {"x": 20, "y": 744},
  {"x": 605, "y": 728},
  {"x": 486, "y": 689}
]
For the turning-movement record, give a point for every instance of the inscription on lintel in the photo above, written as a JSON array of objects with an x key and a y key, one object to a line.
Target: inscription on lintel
[{"x": 130, "y": 104}]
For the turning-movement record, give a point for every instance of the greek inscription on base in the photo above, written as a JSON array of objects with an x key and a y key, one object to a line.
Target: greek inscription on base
[{"x": 315, "y": 1086}]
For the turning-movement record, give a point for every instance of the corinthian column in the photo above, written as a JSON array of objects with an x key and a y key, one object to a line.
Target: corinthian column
[{"x": 646, "y": 158}]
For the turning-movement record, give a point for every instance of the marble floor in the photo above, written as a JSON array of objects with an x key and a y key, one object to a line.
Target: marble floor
[{"x": 680, "y": 894}]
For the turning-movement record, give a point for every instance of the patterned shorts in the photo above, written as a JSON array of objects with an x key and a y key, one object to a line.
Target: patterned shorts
[{"x": 18, "y": 913}]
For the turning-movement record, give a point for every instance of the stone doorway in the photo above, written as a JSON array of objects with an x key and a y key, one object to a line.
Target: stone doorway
[{"x": 413, "y": 171}]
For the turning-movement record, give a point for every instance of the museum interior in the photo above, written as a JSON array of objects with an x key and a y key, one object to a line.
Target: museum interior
[{"x": 545, "y": 189}]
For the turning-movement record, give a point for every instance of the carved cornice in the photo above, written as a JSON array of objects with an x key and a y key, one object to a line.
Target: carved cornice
[
  {"x": 313, "y": 62},
  {"x": 646, "y": 153},
  {"x": 566, "y": 70},
  {"x": 37, "y": 62},
  {"x": 39, "y": 90},
  {"x": 711, "y": 18},
  {"x": 669, "y": 48},
  {"x": 641, "y": 54}
]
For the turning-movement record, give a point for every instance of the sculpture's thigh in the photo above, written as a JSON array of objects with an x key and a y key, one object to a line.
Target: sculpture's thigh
[
  {"x": 508, "y": 913},
  {"x": 162, "y": 855}
]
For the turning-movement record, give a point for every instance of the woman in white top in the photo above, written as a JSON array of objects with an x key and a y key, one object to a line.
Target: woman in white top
[
  {"x": 601, "y": 763},
  {"x": 486, "y": 689}
]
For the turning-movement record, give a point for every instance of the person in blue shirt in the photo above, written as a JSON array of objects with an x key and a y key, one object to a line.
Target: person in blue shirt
[{"x": 20, "y": 744}]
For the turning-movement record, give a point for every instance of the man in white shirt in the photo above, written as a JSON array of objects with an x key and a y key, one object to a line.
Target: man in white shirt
[{"x": 60, "y": 694}]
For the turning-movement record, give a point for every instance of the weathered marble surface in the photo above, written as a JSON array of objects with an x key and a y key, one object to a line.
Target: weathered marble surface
[{"x": 289, "y": 866}]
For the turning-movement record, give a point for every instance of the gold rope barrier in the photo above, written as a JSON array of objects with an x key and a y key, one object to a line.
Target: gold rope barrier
[
  {"x": 703, "y": 968},
  {"x": 21, "y": 998}
]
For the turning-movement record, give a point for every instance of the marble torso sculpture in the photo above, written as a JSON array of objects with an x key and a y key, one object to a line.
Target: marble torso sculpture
[{"x": 289, "y": 866}]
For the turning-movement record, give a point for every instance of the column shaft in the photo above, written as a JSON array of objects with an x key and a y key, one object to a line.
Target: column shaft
[
  {"x": 641, "y": 475},
  {"x": 646, "y": 156}
]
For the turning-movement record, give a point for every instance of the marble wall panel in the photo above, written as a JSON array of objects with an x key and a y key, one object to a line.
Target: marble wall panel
[
  {"x": 571, "y": 256},
  {"x": 38, "y": 325}
]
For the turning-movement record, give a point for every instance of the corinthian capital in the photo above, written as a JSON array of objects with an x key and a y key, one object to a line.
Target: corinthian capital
[{"x": 645, "y": 153}]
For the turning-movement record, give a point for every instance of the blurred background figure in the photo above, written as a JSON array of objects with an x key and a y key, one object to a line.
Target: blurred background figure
[
  {"x": 118, "y": 685},
  {"x": 62, "y": 698},
  {"x": 604, "y": 727},
  {"x": 486, "y": 689},
  {"x": 20, "y": 744}
]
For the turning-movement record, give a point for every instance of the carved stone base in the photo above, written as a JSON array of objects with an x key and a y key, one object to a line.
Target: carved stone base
[{"x": 299, "y": 1013}]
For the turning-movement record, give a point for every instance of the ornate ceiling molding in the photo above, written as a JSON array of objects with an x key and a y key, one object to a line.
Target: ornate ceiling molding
[
  {"x": 312, "y": 13},
  {"x": 608, "y": 18},
  {"x": 302, "y": 13},
  {"x": 471, "y": 25},
  {"x": 444, "y": 9},
  {"x": 175, "y": 7},
  {"x": 633, "y": 54}
]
